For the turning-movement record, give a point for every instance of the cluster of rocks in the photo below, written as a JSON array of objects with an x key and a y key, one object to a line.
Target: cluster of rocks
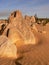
[{"x": 19, "y": 30}]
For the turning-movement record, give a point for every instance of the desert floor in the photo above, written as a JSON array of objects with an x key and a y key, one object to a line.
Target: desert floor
[{"x": 31, "y": 54}]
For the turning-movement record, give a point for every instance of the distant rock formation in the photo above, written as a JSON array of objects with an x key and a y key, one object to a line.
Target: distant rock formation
[{"x": 30, "y": 20}]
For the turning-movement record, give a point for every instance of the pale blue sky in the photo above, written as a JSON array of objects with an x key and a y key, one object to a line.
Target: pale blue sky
[{"x": 27, "y": 7}]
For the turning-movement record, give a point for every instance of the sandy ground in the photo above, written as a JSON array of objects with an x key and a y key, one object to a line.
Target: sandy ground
[
  {"x": 32, "y": 54},
  {"x": 36, "y": 54}
]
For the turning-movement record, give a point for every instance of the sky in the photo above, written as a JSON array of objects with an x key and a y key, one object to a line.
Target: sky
[{"x": 27, "y": 7}]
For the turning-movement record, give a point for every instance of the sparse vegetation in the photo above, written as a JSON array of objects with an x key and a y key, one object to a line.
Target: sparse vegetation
[{"x": 42, "y": 21}]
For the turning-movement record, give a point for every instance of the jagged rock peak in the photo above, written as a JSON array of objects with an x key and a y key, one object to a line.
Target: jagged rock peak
[{"x": 16, "y": 14}]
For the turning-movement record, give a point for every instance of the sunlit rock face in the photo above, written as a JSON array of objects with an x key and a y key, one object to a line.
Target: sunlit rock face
[
  {"x": 30, "y": 20},
  {"x": 38, "y": 28},
  {"x": 7, "y": 49},
  {"x": 19, "y": 31},
  {"x": 16, "y": 15},
  {"x": 13, "y": 34},
  {"x": 33, "y": 19}
]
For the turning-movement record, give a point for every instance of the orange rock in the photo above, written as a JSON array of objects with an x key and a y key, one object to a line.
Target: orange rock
[{"x": 7, "y": 49}]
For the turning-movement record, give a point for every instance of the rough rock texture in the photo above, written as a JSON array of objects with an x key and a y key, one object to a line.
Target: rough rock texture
[
  {"x": 19, "y": 29},
  {"x": 15, "y": 15},
  {"x": 30, "y": 20},
  {"x": 6, "y": 61},
  {"x": 3, "y": 25},
  {"x": 7, "y": 49},
  {"x": 38, "y": 54},
  {"x": 25, "y": 33}
]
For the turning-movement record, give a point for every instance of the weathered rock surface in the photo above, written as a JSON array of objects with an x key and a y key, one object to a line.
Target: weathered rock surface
[
  {"x": 15, "y": 15},
  {"x": 30, "y": 20},
  {"x": 25, "y": 33},
  {"x": 3, "y": 25},
  {"x": 7, "y": 49},
  {"x": 19, "y": 29}
]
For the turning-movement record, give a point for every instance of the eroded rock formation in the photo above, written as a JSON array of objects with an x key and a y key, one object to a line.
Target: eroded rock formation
[
  {"x": 7, "y": 49},
  {"x": 3, "y": 25},
  {"x": 19, "y": 29}
]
